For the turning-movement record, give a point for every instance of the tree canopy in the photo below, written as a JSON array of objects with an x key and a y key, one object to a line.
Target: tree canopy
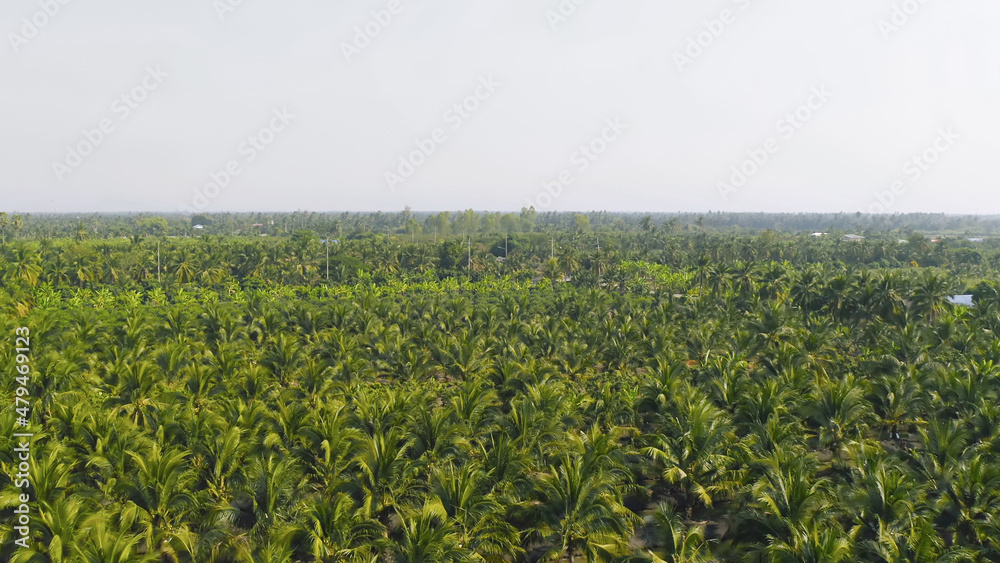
[{"x": 668, "y": 395}]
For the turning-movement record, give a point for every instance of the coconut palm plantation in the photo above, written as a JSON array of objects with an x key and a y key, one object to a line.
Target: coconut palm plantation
[{"x": 456, "y": 387}]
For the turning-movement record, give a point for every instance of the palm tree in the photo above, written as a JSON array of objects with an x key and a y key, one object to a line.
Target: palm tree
[
  {"x": 331, "y": 447},
  {"x": 840, "y": 412},
  {"x": 436, "y": 435},
  {"x": 787, "y": 500},
  {"x": 582, "y": 512},
  {"x": 268, "y": 498},
  {"x": 885, "y": 504},
  {"x": 929, "y": 294},
  {"x": 384, "y": 476},
  {"x": 813, "y": 545},
  {"x": 160, "y": 491},
  {"x": 61, "y": 531},
  {"x": 334, "y": 531},
  {"x": 282, "y": 356},
  {"x": 428, "y": 536},
  {"x": 105, "y": 545},
  {"x": 697, "y": 452},
  {"x": 970, "y": 503},
  {"x": 676, "y": 541},
  {"x": 465, "y": 496},
  {"x": 26, "y": 264},
  {"x": 224, "y": 457},
  {"x": 134, "y": 393},
  {"x": 18, "y": 223}
]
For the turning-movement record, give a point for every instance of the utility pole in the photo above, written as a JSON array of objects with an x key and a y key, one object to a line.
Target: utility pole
[
  {"x": 157, "y": 261},
  {"x": 470, "y": 253},
  {"x": 552, "y": 254},
  {"x": 505, "y": 246},
  {"x": 598, "y": 260},
  {"x": 328, "y": 258}
]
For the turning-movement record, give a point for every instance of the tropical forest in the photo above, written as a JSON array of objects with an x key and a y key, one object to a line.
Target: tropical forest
[{"x": 485, "y": 387}]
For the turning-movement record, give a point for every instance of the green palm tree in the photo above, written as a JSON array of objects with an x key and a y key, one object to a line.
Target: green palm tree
[
  {"x": 428, "y": 536},
  {"x": 106, "y": 545},
  {"x": 677, "y": 541},
  {"x": 787, "y": 500},
  {"x": 384, "y": 476},
  {"x": 334, "y": 531},
  {"x": 697, "y": 451},
  {"x": 582, "y": 512},
  {"x": 268, "y": 499},
  {"x": 26, "y": 264},
  {"x": 815, "y": 545},
  {"x": 840, "y": 411},
  {"x": 464, "y": 493},
  {"x": 160, "y": 484}
]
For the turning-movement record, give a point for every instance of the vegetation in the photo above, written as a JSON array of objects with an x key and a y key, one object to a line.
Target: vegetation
[
  {"x": 436, "y": 225},
  {"x": 581, "y": 393}
]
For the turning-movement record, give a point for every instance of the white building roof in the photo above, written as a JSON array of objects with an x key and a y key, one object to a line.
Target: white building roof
[{"x": 960, "y": 300}]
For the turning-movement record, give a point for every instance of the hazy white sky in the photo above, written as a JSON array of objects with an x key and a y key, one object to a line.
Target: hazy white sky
[{"x": 635, "y": 105}]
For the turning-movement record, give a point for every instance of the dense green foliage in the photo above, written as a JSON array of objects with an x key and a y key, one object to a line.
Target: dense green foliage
[
  {"x": 664, "y": 396},
  {"x": 410, "y": 223}
]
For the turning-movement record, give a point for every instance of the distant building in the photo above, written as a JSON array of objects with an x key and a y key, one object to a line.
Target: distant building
[
  {"x": 960, "y": 300},
  {"x": 819, "y": 234},
  {"x": 976, "y": 239},
  {"x": 854, "y": 238}
]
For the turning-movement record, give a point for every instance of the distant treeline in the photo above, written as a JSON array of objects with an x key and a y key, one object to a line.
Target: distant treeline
[{"x": 413, "y": 223}]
